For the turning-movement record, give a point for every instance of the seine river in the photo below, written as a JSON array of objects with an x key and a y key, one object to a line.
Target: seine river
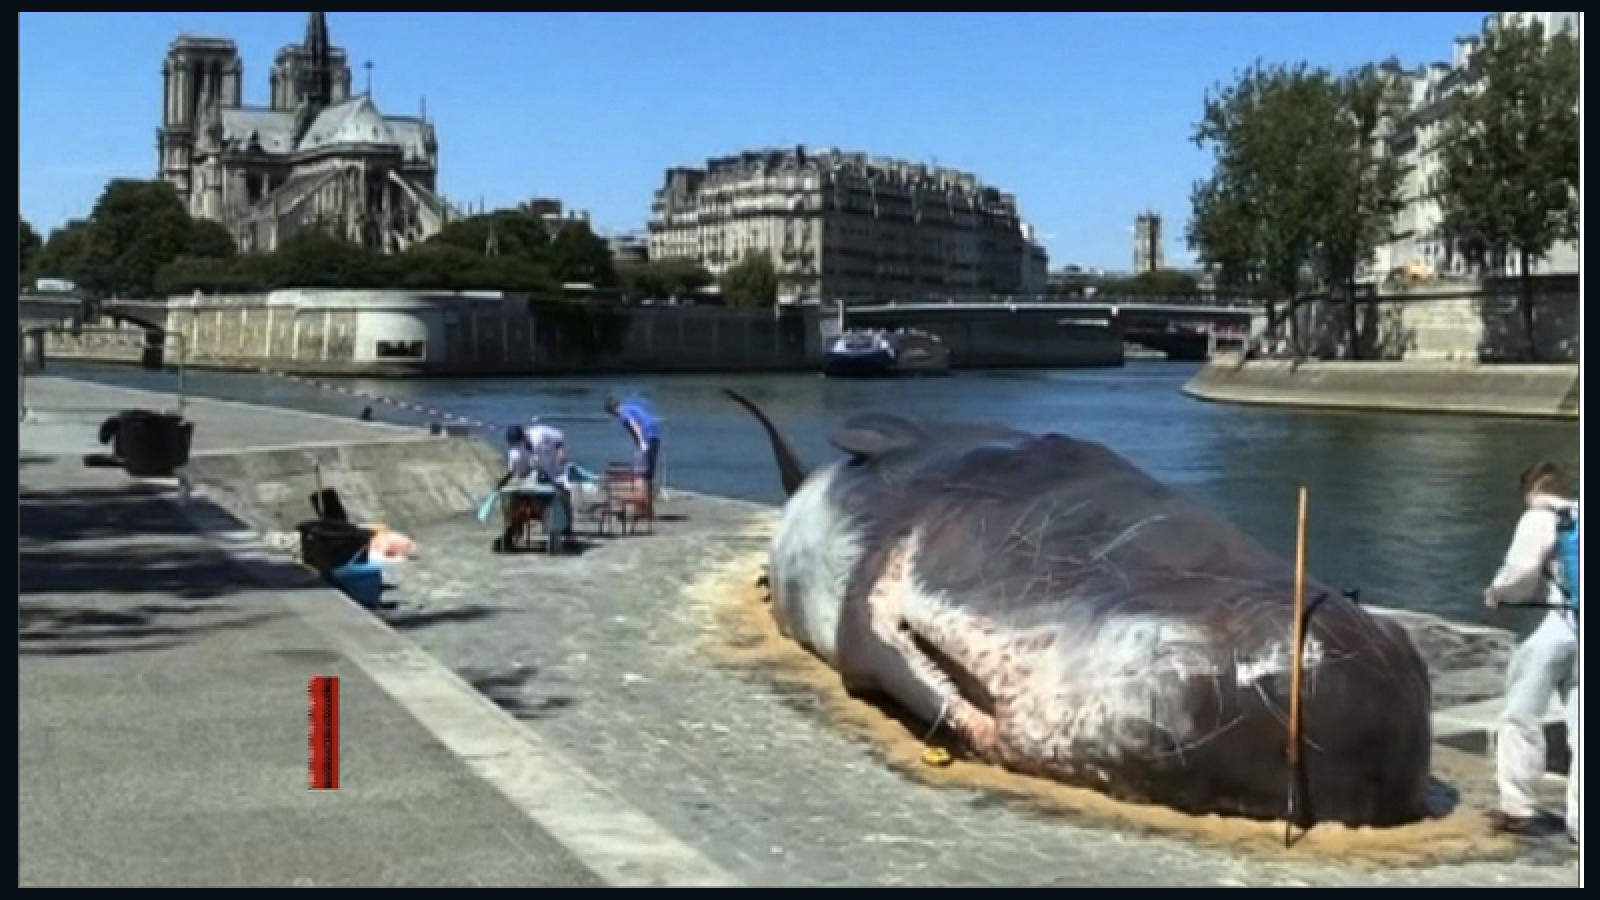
[{"x": 1413, "y": 510}]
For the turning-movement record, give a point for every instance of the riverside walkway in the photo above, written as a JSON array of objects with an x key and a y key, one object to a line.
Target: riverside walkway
[
  {"x": 164, "y": 660},
  {"x": 163, "y": 668}
]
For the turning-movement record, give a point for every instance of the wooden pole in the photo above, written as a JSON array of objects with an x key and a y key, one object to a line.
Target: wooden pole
[{"x": 1297, "y": 663}]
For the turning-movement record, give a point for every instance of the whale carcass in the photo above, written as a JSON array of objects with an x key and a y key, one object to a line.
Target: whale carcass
[{"x": 1070, "y": 617}]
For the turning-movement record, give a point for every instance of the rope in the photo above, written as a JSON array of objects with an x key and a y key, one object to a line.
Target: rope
[
  {"x": 434, "y": 412},
  {"x": 422, "y": 409}
]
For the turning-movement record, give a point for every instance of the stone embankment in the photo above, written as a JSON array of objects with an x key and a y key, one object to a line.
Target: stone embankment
[{"x": 1522, "y": 391}]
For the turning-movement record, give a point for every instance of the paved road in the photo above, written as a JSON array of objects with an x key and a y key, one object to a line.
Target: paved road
[{"x": 162, "y": 732}]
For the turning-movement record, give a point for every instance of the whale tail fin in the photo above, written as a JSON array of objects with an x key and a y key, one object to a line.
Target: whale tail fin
[{"x": 789, "y": 467}]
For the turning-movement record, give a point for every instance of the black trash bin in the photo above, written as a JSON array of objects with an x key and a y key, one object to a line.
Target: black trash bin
[
  {"x": 152, "y": 444},
  {"x": 326, "y": 545},
  {"x": 153, "y": 355}
]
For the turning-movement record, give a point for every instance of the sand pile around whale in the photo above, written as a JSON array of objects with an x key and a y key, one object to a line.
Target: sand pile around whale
[{"x": 747, "y": 640}]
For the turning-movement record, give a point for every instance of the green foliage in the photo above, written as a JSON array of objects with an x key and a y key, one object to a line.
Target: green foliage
[
  {"x": 752, "y": 283},
  {"x": 501, "y": 233},
  {"x": 1159, "y": 283},
  {"x": 447, "y": 267},
  {"x": 1304, "y": 186},
  {"x": 1510, "y": 154},
  {"x": 1359, "y": 180},
  {"x": 1301, "y": 184},
  {"x": 663, "y": 279},
  {"x": 141, "y": 241},
  {"x": 209, "y": 240},
  {"x": 136, "y": 228},
  {"x": 566, "y": 252},
  {"x": 64, "y": 252},
  {"x": 28, "y": 244},
  {"x": 579, "y": 256}
]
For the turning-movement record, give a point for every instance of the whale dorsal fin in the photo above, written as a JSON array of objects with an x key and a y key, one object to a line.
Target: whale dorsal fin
[{"x": 870, "y": 435}]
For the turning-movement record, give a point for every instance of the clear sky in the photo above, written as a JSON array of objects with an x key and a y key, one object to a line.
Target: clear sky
[{"x": 1084, "y": 116}]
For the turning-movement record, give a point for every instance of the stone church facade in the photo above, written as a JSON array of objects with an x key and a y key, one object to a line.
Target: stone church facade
[{"x": 319, "y": 157}]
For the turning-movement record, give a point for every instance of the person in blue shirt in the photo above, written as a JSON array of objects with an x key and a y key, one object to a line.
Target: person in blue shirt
[{"x": 645, "y": 430}]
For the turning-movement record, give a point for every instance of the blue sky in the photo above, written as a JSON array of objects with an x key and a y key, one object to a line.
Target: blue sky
[{"x": 1084, "y": 116}]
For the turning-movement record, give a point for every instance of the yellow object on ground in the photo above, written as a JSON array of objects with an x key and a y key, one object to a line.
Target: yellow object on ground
[{"x": 936, "y": 756}]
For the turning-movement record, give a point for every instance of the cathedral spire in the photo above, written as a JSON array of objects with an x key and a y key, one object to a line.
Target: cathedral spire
[{"x": 318, "y": 49}]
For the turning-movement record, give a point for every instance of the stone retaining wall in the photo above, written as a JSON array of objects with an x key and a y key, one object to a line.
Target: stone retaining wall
[
  {"x": 381, "y": 333},
  {"x": 1465, "y": 322},
  {"x": 1535, "y": 391},
  {"x": 406, "y": 483}
]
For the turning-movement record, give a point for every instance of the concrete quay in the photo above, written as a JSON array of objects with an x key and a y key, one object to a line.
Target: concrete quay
[
  {"x": 163, "y": 665},
  {"x": 609, "y": 741},
  {"x": 1516, "y": 391}
]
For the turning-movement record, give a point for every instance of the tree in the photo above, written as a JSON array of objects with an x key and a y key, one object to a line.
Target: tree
[
  {"x": 1359, "y": 179},
  {"x": 659, "y": 279},
  {"x": 1256, "y": 212},
  {"x": 1510, "y": 155},
  {"x": 500, "y": 233},
  {"x": 446, "y": 267},
  {"x": 1287, "y": 167},
  {"x": 136, "y": 228},
  {"x": 579, "y": 256},
  {"x": 1222, "y": 232},
  {"x": 212, "y": 275},
  {"x": 1157, "y": 283},
  {"x": 28, "y": 244},
  {"x": 752, "y": 283},
  {"x": 63, "y": 254},
  {"x": 319, "y": 259},
  {"x": 209, "y": 240}
]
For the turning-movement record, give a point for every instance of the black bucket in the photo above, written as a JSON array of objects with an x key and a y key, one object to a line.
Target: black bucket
[
  {"x": 151, "y": 444},
  {"x": 326, "y": 545}
]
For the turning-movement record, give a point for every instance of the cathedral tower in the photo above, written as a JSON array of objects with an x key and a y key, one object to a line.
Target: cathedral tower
[
  {"x": 312, "y": 72},
  {"x": 197, "y": 70}
]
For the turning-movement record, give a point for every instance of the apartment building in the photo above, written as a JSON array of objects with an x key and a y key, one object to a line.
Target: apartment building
[
  {"x": 841, "y": 225},
  {"x": 1418, "y": 248}
]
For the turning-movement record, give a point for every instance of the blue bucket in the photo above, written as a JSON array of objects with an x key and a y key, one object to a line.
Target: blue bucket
[{"x": 361, "y": 581}]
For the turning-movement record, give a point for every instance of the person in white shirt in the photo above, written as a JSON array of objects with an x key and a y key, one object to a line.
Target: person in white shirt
[
  {"x": 535, "y": 455},
  {"x": 1543, "y": 665},
  {"x": 548, "y": 448}
]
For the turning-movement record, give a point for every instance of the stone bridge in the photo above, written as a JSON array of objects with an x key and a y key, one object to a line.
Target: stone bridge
[{"x": 1180, "y": 330}]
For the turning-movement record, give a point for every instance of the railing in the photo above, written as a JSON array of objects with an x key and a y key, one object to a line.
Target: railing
[{"x": 146, "y": 341}]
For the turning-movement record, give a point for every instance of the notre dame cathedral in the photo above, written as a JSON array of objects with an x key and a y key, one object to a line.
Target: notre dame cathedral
[{"x": 317, "y": 157}]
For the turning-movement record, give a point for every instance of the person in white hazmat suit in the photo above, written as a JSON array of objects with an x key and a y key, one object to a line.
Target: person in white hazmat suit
[{"x": 1544, "y": 665}]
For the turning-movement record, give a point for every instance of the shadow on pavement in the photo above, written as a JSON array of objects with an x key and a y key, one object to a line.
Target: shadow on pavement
[
  {"x": 88, "y": 514},
  {"x": 461, "y": 615},
  {"x": 186, "y": 573},
  {"x": 57, "y": 630},
  {"x": 122, "y": 570},
  {"x": 510, "y": 690}
]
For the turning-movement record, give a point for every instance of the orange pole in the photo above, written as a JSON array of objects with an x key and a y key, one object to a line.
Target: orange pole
[{"x": 1298, "y": 651}]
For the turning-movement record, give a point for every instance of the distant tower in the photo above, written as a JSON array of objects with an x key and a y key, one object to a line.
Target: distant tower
[
  {"x": 1147, "y": 243},
  {"x": 313, "y": 72},
  {"x": 196, "y": 69}
]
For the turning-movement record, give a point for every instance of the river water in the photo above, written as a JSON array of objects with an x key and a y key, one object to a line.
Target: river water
[{"x": 1414, "y": 510}]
